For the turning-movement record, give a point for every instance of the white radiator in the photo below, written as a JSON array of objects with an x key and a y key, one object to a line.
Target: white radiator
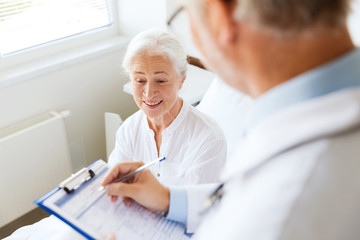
[{"x": 34, "y": 158}]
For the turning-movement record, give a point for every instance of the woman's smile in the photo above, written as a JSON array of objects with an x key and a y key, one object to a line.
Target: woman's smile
[{"x": 152, "y": 104}]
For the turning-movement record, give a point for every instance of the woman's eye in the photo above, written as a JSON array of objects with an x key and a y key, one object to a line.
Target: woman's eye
[
  {"x": 161, "y": 81},
  {"x": 140, "y": 81}
]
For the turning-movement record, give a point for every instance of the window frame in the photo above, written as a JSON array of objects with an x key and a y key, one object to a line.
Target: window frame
[{"x": 64, "y": 44}]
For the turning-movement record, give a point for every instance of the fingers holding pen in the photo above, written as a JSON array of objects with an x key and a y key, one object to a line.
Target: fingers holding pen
[
  {"x": 114, "y": 189},
  {"x": 134, "y": 189},
  {"x": 119, "y": 170},
  {"x": 114, "y": 196},
  {"x": 125, "y": 190},
  {"x": 143, "y": 187}
]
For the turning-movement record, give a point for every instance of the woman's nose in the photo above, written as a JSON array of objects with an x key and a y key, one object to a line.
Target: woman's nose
[{"x": 150, "y": 90}]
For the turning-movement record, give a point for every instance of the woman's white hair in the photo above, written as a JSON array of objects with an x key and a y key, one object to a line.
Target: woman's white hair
[{"x": 157, "y": 42}]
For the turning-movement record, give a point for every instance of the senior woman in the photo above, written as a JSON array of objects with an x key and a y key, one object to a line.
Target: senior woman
[{"x": 165, "y": 125}]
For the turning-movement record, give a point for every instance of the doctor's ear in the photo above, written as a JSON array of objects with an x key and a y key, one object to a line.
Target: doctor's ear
[{"x": 222, "y": 19}]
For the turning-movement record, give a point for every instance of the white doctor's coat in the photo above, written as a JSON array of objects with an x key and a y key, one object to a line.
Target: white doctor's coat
[{"x": 296, "y": 176}]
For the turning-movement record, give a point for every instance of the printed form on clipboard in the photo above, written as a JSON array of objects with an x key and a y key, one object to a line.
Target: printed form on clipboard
[{"x": 80, "y": 204}]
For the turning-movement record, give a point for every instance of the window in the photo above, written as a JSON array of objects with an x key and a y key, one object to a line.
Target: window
[{"x": 28, "y": 23}]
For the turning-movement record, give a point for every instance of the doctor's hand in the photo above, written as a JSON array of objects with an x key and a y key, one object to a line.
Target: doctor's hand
[
  {"x": 142, "y": 188},
  {"x": 111, "y": 236}
]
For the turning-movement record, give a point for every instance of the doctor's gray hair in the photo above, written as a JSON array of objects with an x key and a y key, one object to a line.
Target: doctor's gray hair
[
  {"x": 157, "y": 42},
  {"x": 292, "y": 15}
]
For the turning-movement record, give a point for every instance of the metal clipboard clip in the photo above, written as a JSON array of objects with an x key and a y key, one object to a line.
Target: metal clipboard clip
[{"x": 74, "y": 182}]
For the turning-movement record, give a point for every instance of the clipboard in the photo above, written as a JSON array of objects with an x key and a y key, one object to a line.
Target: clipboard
[{"x": 78, "y": 202}]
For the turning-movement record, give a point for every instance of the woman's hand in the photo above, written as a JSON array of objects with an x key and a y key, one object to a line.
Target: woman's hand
[{"x": 142, "y": 188}]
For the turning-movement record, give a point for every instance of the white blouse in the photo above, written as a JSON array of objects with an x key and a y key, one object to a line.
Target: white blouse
[{"x": 193, "y": 144}]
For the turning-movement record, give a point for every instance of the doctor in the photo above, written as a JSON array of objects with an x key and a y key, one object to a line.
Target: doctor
[{"x": 296, "y": 174}]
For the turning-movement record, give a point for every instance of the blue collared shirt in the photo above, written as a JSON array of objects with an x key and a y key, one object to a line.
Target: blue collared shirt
[
  {"x": 178, "y": 204},
  {"x": 330, "y": 77},
  {"x": 336, "y": 75}
]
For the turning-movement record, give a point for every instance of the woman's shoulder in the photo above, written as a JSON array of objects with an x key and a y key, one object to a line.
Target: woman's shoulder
[{"x": 202, "y": 121}]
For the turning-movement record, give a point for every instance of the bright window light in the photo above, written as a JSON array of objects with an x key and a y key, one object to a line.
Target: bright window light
[{"x": 28, "y": 23}]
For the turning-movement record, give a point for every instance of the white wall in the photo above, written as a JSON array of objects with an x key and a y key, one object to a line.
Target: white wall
[
  {"x": 87, "y": 89},
  {"x": 139, "y": 15}
]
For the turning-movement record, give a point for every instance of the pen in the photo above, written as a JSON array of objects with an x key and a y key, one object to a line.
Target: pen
[{"x": 140, "y": 169}]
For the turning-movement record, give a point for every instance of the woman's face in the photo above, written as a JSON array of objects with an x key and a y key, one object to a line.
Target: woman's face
[{"x": 155, "y": 84}]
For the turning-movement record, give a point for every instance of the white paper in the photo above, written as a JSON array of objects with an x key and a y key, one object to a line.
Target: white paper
[{"x": 93, "y": 212}]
